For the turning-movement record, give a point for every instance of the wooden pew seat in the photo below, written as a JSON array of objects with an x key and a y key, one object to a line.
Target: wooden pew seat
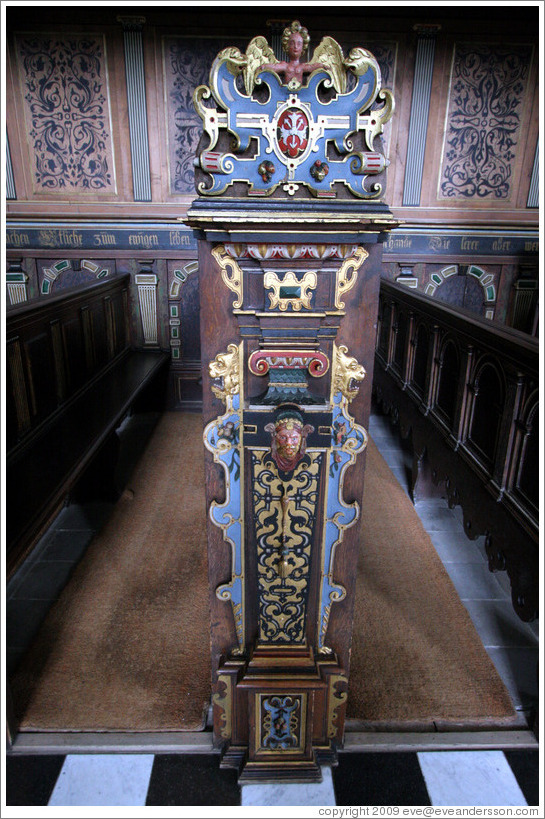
[{"x": 41, "y": 475}]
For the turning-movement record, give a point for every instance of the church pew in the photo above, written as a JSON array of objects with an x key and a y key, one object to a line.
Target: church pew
[{"x": 72, "y": 377}]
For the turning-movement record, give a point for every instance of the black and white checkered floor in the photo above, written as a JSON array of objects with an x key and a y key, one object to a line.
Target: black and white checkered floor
[{"x": 439, "y": 778}]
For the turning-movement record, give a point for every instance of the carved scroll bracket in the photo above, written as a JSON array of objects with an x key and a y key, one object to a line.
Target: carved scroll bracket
[
  {"x": 230, "y": 273},
  {"x": 347, "y": 276}
]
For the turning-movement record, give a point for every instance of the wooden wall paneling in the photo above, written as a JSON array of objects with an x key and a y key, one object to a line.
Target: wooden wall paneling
[
  {"x": 523, "y": 482},
  {"x": 74, "y": 351},
  {"x": 444, "y": 400},
  {"x": 15, "y": 126},
  {"x": 157, "y": 113},
  {"x": 419, "y": 114},
  {"x": 436, "y": 122},
  {"x": 399, "y": 124},
  {"x": 475, "y": 454},
  {"x": 97, "y": 167},
  {"x": 160, "y": 110},
  {"x": 484, "y": 175},
  {"x": 38, "y": 361},
  {"x": 528, "y": 185},
  {"x": 56, "y": 345},
  {"x": 135, "y": 74},
  {"x": 510, "y": 413},
  {"x": 59, "y": 362},
  {"x": 533, "y": 193},
  {"x": 18, "y": 416},
  {"x": 11, "y": 192}
]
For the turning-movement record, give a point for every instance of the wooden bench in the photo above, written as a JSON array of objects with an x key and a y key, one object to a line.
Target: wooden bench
[{"x": 88, "y": 394}]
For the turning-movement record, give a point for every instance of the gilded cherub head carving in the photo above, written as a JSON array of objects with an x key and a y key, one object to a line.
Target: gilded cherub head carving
[{"x": 288, "y": 438}]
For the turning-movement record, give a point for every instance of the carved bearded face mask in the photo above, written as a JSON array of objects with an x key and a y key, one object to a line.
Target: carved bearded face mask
[{"x": 288, "y": 440}]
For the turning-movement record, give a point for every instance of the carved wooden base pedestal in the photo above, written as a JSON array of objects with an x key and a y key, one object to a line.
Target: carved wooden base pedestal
[{"x": 284, "y": 711}]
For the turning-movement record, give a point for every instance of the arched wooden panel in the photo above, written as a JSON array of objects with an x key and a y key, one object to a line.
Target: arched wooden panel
[
  {"x": 487, "y": 410},
  {"x": 401, "y": 340},
  {"x": 527, "y": 469},
  {"x": 449, "y": 373},
  {"x": 422, "y": 343}
]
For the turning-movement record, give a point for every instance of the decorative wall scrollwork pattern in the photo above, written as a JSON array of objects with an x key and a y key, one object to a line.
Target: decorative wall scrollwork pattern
[
  {"x": 486, "y": 102},
  {"x": 65, "y": 88},
  {"x": 186, "y": 65}
]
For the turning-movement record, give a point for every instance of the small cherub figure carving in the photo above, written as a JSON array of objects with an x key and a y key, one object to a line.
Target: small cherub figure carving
[
  {"x": 295, "y": 40},
  {"x": 288, "y": 438}
]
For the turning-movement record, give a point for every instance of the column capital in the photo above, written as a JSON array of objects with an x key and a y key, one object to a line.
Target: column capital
[
  {"x": 131, "y": 23},
  {"x": 427, "y": 31}
]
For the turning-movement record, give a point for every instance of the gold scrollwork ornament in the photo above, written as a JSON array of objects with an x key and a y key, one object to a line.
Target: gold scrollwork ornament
[
  {"x": 336, "y": 699},
  {"x": 224, "y": 703},
  {"x": 230, "y": 273},
  {"x": 347, "y": 275},
  {"x": 272, "y": 282}
]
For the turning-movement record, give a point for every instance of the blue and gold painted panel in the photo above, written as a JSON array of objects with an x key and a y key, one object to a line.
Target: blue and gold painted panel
[
  {"x": 289, "y": 132},
  {"x": 223, "y": 437}
]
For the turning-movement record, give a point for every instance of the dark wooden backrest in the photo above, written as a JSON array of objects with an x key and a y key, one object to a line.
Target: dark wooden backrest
[
  {"x": 55, "y": 347},
  {"x": 476, "y": 380}
]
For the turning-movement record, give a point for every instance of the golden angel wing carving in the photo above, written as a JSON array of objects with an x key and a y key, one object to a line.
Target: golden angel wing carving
[
  {"x": 330, "y": 54},
  {"x": 258, "y": 54}
]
